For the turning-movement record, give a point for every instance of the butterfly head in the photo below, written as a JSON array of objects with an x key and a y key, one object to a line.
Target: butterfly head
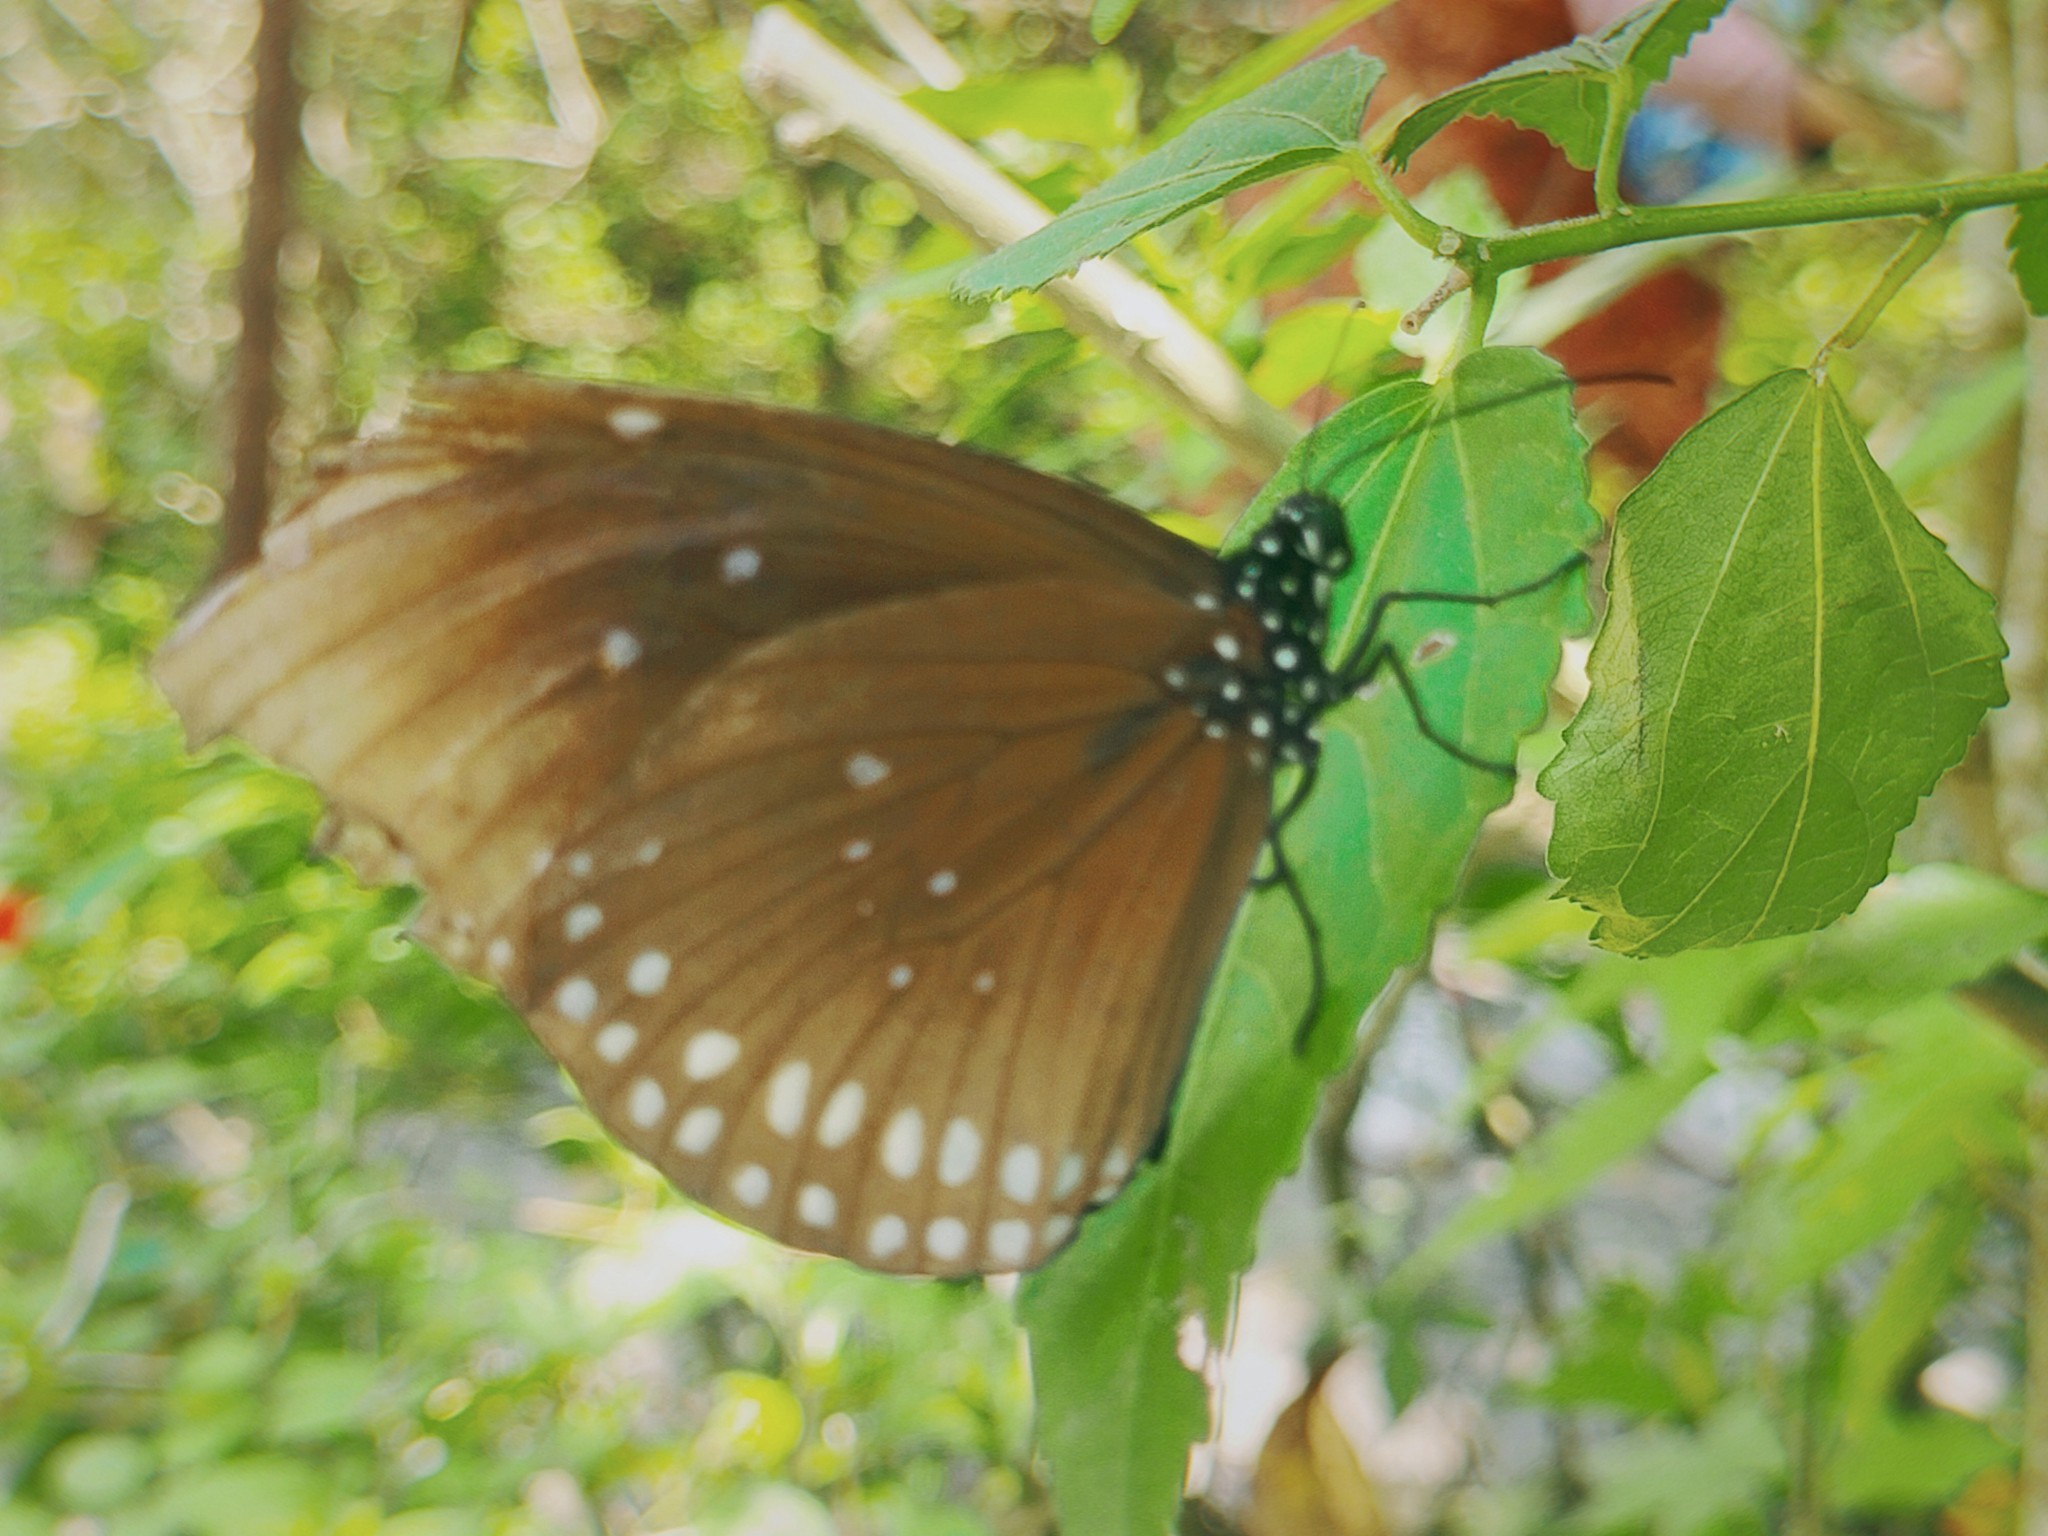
[{"x": 1276, "y": 690}]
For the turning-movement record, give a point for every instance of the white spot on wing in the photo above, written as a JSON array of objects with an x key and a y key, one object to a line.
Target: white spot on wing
[
  {"x": 1022, "y": 1169},
  {"x": 709, "y": 1053},
  {"x": 580, "y": 865},
  {"x": 633, "y": 422},
  {"x": 864, "y": 770},
  {"x": 576, "y": 999},
  {"x": 985, "y": 982},
  {"x": 942, "y": 883},
  {"x": 619, "y": 649},
  {"x": 498, "y": 955},
  {"x": 616, "y": 1040},
  {"x": 887, "y": 1237},
  {"x": 1009, "y": 1242},
  {"x": 740, "y": 563},
  {"x": 1226, "y": 645},
  {"x": 697, "y": 1131},
  {"x": 842, "y": 1115},
  {"x": 959, "y": 1153},
  {"x": 788, "y": 1092},
  {"x": 903, "y": 1143},
  {"x": 1068, "y": 1179},
  {"x": 856, "y": 850},
  {"x": 644, "y": 1105},
  {"x": 946, "y": 1238},
  {"x": 649, "y": 851},
  {"x": 1057, "y": 1230},
  {"x": 648, "y": 973},
  {"x": 751, "y": 1184},
  {"x": 581, "y": 921},
  {"x": 900, "y": 976},
  {"x": 1115, "y": 1169},
  {"x": 816, "y": 1206}
]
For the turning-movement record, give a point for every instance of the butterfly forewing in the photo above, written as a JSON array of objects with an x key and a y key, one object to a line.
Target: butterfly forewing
[{"x": 814, "y": 790}]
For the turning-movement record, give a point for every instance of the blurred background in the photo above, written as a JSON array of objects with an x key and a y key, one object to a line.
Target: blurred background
[{"x": 300, "y": 1232}]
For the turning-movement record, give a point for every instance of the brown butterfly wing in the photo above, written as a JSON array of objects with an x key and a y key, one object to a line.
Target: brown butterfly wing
[{"x": 813, "y": 789}]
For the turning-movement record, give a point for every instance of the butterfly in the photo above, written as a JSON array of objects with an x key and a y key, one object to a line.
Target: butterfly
[{"x": 857, "y": 819}]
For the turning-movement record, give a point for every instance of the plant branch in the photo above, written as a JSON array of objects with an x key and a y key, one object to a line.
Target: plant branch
[
  {"x": 823, "y": 100},
  {"x": 1374, "y": 176},
  {"x": 273, "y": 141},
  {"x": 1604, "y": 232}
]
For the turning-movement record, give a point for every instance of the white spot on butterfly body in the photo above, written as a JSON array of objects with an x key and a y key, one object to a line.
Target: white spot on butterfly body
[
  {"x": 697, "y": 1131},
  {"x": 946, "y": 1238},
  {"x": 959, "y": 1153},
  {"x": 984, "y": 982},
  {"x": 648, "y": 973},
  {"x": 841, "y": 1117},
  {"x": 1022, "y": 1169},
  {"x": 644, "y": 1105},
  {"x": 864, "y": 770},
  {"x": 816, "y": 1206},
  {"x": 900, "y": 976},
  {"x": 1009, "y": 1242},
  {"x": 581, "y": 921},
  {"x": 789, "y": 1090},
  {"x": 751, "y": 1184},
  {"x": 633, "y": 422},
  {"x": 1057, "y": 1230},
  {"x": 576, "y": 999},
  {"x": 616, "y": 1040},
  {"x": 887, "y": 1237},
  {"x": 1068, "y": 1178},
  {"x": 1286, "y": 657},
  {"x": 740, "y": 563},
  {"x": 856, "y": 850},
  {"x": 619, "y": 650},
  {"x": 709, "y": 1053},
  {"x": 943, "y": 883},
  {"x": 903, "y": 1144}
]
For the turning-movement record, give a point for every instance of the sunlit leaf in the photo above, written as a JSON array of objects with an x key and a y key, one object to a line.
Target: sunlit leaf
[
  {"x": 1566, "y": 93},
  {"x": 1473, "y": 485},
  {"x": 2028, "y": 242},
  {"x": 1788, "y": 663},
  {"x": 1094, "y": 104},
  {"x": 1309, "y": 114}
]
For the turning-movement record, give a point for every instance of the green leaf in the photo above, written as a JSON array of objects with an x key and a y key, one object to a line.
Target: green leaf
[
  {"x": 1095, "y": 104},
  {"x": 2028, "y": 242},
  {"x": 1307, "y": 115},
  {"x": 1566, "y": 94},
  {"x": 1929, "y": 1268},
  {"x": 1788, "y": 663},
  {"x": 1676, "y": 1482},
  {"x": 1315, "y": 343},
  {"x": 1475, "y": 484},
  {"x": 1962, "y": 419},
  {"x": 1922, "y": 931},
  {"x": 1272, "y": 57},
  {"x": 1699, "y": 997},
  {"x": 1108, "y": 17},
  {"x": 1912, "y": 1462},
  {"x": 1925, "y": 1111}
]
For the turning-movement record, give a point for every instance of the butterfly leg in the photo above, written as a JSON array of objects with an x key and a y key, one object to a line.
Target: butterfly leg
[
  {"x": 1370, "y": 656},
  {"x": 1283, "y": 874}
]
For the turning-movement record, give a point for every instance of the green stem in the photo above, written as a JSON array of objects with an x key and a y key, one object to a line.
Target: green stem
[
  {"x": 1485, "y": 286},
  {"x": 1603, "y": 232},
  {"x": 1416, "y": 224},
  {"x": 1607, "y": 168},
  {"x": 1908, "y": 259}
]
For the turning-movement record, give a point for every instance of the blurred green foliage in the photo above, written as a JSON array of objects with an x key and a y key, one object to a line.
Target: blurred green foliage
[{"x": 300, "y": 1232}]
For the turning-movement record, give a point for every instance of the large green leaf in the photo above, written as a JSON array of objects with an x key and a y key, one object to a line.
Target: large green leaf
[
  {"x": 1309, "y": 114},
  {"x": 1789, "y": 662},
  {"x": 1566, "y": 94},
  {"x": 1476, "y": 484}
]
